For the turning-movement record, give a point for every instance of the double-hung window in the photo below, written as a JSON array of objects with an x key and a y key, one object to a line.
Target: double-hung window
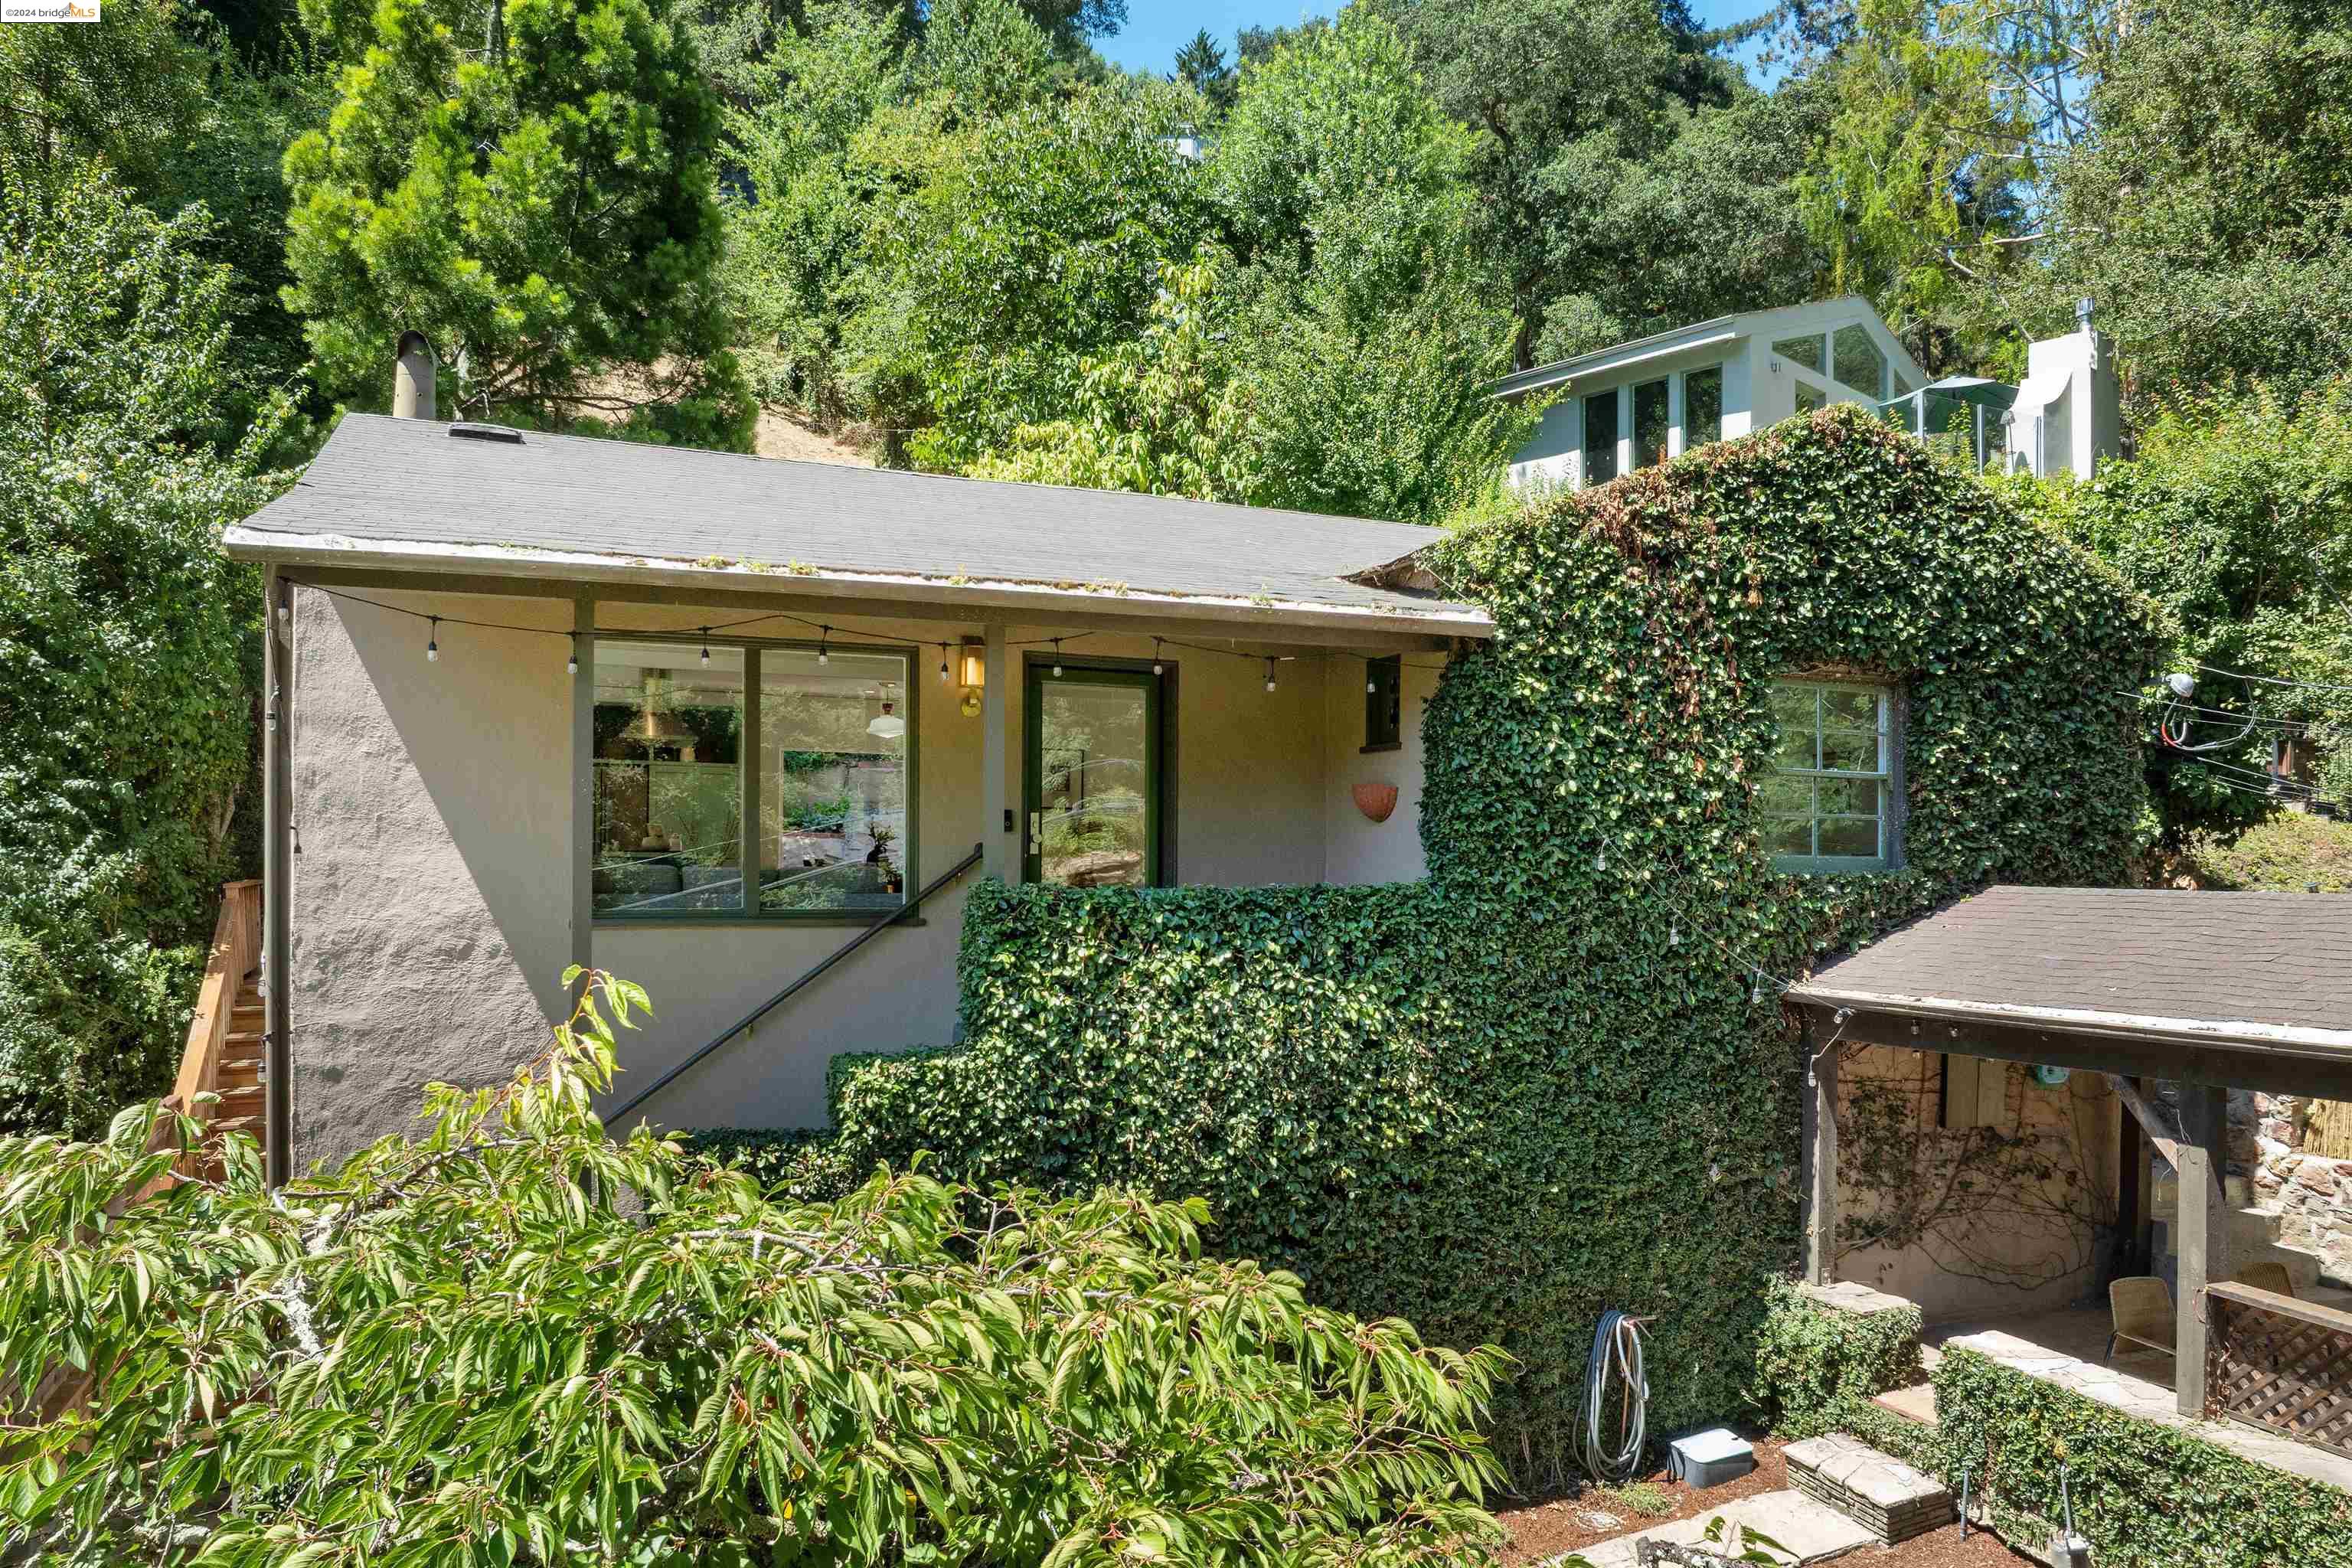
[
  {"x": 749, "y": 781},
  {"x": 1829, "y": 801}
]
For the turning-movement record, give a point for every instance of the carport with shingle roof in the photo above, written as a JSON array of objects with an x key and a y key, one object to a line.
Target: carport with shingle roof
[{"x": 2210, "y": 991}]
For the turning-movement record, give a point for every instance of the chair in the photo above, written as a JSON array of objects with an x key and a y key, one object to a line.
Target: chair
[
  {"x": 2269, "y": 1274},
  {"x": 2143, "y": 1314}
]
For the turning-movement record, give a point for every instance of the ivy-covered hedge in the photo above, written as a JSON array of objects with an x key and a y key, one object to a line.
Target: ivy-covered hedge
[
  {"x": 1815, "y": 1366},
  {"x": 2145, "y": 1494},
  {"x": 1544, "y": 1082}
]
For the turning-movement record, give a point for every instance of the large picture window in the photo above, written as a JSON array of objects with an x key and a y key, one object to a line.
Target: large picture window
[
  {"x": 818, "y": 742},
  {"x": 1829, "y": 799}
]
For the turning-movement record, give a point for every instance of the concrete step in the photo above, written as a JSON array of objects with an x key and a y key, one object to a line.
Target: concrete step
[
  {"x": 1881, "y": 1494},
  {"x": 1808, "y": 1531},
  {"x": 1915, "y": 1404}
]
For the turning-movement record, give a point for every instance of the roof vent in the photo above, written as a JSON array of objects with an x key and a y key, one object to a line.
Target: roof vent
[{"x": 470, "y": 432}]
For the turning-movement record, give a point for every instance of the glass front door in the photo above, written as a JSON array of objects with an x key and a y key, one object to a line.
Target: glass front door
[{"x": 1094, "y": 780}]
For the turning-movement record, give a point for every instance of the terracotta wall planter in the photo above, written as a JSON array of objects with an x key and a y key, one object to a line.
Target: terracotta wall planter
[{"x": 1376, "y": 800}]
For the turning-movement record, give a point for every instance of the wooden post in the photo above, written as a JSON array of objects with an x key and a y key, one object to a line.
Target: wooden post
[
  {"x": 1820, "y": 1116},
  {"x": 2204, "y": 1219},
  {"x": 748, "y": 830},
  {"x": 999, "y": 831},
  {"x": 583, "y": 785}
]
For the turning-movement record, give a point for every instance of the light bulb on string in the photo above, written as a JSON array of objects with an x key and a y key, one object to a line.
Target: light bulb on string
[
  {"x": 1269, "y": 674},
  {"x": 1756, "y": 992},
  {"x": 433, "y": 640},
  {"x": 943, "y": 664},
  {"x": 1371, "y": 685},
  {"x": 1674, "y": 934},
  {"x": 1057, "y": 658},
  {"x": 1157, "y": 667},
  {"x": 572, "y": 664},
  {"x": 822, "y": 635},
  {"x": 706, "y": 648}
]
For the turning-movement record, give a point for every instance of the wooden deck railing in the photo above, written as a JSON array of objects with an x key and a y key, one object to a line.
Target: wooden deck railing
[
  {"x": 236, "y": 951},
  {"x": 2279, "y": 1364}
]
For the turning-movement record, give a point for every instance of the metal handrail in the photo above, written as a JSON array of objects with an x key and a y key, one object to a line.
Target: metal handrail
[{"x": 786, "y": 995}]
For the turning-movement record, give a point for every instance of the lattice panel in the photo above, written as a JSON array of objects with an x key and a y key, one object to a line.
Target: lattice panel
[{"x": 2285, "y": 1374}]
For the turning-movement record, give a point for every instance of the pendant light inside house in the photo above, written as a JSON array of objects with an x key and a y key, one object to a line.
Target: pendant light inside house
[
  {"x": 887, "y": 725},
  {"x": 655, "y": 725}
]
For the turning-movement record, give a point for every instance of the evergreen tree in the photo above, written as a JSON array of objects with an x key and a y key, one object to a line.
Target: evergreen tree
[{"x": 531, "y": 185}]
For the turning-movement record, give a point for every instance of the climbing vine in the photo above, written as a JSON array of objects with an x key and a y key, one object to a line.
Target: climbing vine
[{"x": 1551, "y": 1078}]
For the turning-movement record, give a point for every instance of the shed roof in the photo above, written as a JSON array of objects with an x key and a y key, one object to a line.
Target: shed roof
[
  {"x": 420, "y": 495},
  {"x": 2247, "y": 970}
]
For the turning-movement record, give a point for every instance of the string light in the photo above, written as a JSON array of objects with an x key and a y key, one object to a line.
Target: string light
[
  {"x": 1269, "y": 674},
  {"x": 1600, "y": 862},
  {"x": 1674, "y": 934},
  {"x": 823, "y": 633},
  {"x": 706, "y": 648},
  {"x": 1157, "y": 667},
  {"x": 943, "y": 664},
  {"x": 572, "y": 664},
  {"x": 1057, "y": 658},
  {"x": 431, "y": 639}
]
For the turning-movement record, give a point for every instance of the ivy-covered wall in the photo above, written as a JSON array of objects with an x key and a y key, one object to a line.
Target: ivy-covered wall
[
  {"x": 2145, "y": 1494},
  {"x": 1547, "y": 1081}
]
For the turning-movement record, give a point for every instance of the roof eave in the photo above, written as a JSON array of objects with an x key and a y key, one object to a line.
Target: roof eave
[
  {"x": 1619, "y": 356},
  {"x": 274, "y": 547},
  {"x": 2294, "y": 1039}
]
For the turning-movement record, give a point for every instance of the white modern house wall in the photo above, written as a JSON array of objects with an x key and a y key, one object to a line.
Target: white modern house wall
[{"x": 1627, "y": 406}]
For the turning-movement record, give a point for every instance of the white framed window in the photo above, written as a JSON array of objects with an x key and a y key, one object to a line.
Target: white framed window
[{"x": 1829, "y": 801}]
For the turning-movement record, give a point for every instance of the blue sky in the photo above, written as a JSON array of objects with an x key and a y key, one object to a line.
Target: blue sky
[{"x": 1156, "y": 29}]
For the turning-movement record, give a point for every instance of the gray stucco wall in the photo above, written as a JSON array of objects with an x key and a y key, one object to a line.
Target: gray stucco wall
[{"x": 431, "y": 904}]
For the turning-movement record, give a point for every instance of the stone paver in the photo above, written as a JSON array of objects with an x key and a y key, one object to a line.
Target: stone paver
[
  {"x": 1845, "y": 1296},
  {"x": 1809, "y": 1531},
  {"x": 2151, "y": 1402}
]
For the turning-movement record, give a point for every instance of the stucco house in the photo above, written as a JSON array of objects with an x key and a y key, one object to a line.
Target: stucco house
[
  {"x": 700, "y": 720},
  {"x": 1636, "y": 403}
]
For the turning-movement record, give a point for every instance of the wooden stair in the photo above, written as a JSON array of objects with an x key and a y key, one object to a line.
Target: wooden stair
[{"x": 225, "y": 1055}]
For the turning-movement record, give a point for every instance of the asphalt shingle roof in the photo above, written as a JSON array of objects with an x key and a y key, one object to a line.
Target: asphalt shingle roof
[
  {"x": 408, "y": 480},
  {"x": 2269, "y": 960}
]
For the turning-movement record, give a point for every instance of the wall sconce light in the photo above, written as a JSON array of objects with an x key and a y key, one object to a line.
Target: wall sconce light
[{"x": 973, "y": 665}]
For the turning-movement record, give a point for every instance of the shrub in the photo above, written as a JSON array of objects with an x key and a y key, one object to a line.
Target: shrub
[
  {"x": 512, "y": 1341},
  {"x": 2293, "y": 852},
  {"x": 794, "y": 1164},
  {"x": 1815, "y": 1366},
  {"x": 2145, "y": 1494},
  {"x": 1548, "y": 1080},
  {"x": 128, "y": 654}
]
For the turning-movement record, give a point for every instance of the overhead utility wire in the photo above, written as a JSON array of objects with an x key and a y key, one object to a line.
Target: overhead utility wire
[{"x": 2275, "y": 680}]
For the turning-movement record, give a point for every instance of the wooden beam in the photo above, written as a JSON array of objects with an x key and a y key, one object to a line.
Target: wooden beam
[
  {"x": 2203, "y": 1217},
  {"x": 940, "y": 604},
  {"x": 1820, "y": 1116},
  {"x": 2272, "y": 1070},
  {"x": 2161, "y": 1133}
]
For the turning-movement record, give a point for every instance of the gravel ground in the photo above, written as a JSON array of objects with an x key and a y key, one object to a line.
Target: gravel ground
[{"x": 1550, "y": 1528}]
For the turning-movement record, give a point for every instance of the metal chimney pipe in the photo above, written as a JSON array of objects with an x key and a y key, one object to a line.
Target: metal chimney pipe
[{"x": 412, "y": 382}]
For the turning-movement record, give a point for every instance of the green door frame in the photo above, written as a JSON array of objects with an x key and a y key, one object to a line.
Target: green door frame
[{"x": 1037, "y": 675}]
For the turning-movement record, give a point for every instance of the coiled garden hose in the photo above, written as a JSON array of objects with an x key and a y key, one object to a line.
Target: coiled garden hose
[{"x": 1616, "y": 1348}]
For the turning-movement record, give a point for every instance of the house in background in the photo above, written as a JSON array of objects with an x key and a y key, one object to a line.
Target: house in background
[
  {"x": 1636, "y": 403},
  {"x": 705, "y": 721}
]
